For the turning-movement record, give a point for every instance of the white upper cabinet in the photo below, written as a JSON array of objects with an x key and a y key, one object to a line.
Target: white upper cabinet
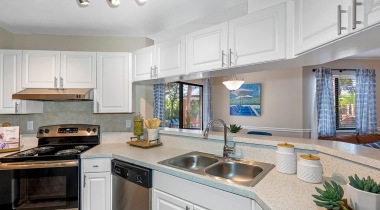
[
  {"x": 370, "y": 11},
  {"x": 40, "y": 69},
  {"x": 55, "y": 69},
  {"x": 171, "y": 58},
  {"x": 207, "y": 49},
  {"x": 318, "y": 22},
  {"x": 113, "y": 93},
  {"x": 10, "y": 80},
  {"x": 78, "y": 70},
  {"x": 258, "y": 37},
  {"x": 144, "y": 63}
]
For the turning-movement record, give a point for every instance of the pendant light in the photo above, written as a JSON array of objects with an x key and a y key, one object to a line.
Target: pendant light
[{"x": 233, "y": 83}]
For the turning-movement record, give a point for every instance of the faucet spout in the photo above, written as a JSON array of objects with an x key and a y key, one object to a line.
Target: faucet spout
[{"x": 226, "y": 149}]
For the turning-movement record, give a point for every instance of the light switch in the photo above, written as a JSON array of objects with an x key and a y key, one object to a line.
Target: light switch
[
  {"x": 29, "y": 125},
  {"x": 127, "y": 123}
]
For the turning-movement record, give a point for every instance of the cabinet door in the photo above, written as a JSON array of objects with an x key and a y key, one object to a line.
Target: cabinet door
[
  {"x": 258, "y": 37},
  {"x": 143, "y": 64},
  {"x": 10, "y": 69},
  {"x": 164, "y": 201},
  {"x": 371, "y": 11},
  {"x": 207, "y": 49},
  {"x": 316, "y": 23},
  {"x": 40, "y": 69},
  {"x": 78, "y": 70},
  {"x": 97, "y": 191},
  {"x": 171, "y": 58},
  {"x": 113, "y": 92}
]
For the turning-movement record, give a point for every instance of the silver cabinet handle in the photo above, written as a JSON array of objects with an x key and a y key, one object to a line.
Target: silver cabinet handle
[
  {"x": 84, "y": 181},
  {"x": 187, "y": 208},
  {"x": 55, "y": 82},
  {"x": 61, "y": 81},
  {"x": 231, "y": 57},
  {"x": 354, "y": 7},
  {"x": 223, "y": 64},
  {"x": 16, "y": 107},
  {"x": 95, "y": 166},
  {"x": 339, "y": 16},
  {"x": 155, "y": 72},
  {"x": 151, "y": 72}
]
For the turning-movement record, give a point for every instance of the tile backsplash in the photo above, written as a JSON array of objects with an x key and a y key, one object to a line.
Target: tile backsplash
[{"x": 67, "y": 113}]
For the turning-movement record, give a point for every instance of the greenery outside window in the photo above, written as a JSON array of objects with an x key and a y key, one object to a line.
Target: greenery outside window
[
  {"x": 344, "y": 101},
  {"x": 183, "y": 105}
]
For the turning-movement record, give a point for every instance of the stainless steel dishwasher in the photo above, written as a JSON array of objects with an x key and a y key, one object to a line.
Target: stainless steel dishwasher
[{"x": 131, "y": 186}]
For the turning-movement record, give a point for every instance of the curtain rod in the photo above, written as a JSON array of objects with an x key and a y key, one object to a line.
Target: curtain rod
[{"x": 340, "y": 70}]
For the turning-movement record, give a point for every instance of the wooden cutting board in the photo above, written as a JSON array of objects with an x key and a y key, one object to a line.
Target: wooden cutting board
[{"x": 144, "y": 144}]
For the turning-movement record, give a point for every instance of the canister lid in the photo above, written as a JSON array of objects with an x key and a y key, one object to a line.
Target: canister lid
[
  {"x": 309, "y": 157},
  {"x": 286, "y": 145}
]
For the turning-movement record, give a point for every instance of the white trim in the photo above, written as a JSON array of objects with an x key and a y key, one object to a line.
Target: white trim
[{"x": 291, "y": 130}]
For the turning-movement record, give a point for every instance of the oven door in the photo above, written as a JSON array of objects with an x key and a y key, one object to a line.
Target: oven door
[{"x": 39, "y": 185}]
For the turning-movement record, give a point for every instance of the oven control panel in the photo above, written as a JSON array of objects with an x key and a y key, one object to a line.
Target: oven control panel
[{"x": 68, "y": 130}]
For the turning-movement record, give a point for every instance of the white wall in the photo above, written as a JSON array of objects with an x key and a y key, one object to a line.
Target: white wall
[
  {"x": 281, "y": 102},
  {"x": 6, "y": 39}
]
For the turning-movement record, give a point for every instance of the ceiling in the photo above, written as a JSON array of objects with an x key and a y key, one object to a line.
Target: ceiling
[{"x": 67, "y": 17}]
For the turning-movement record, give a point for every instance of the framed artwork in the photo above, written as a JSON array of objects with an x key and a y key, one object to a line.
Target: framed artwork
[
  {"x": 246, "y": 101},
  {"x": 9, "y": 139}
]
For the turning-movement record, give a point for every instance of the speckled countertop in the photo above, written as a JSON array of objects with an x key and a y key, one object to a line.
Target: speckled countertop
[{"x": 275, "y": 191}]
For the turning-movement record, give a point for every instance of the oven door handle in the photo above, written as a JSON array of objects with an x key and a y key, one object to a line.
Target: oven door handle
[{"x": 36, "y": 165}]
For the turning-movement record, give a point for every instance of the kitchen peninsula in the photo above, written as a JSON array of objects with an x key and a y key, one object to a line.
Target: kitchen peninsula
[{"x": 275, "y": 190}]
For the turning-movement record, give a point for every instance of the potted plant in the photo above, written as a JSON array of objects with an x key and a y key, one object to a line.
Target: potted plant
[
  {"x": 331, "y": 197},
  {"x": 234, "y": 128},
  {"x": 363, "y": 193}
]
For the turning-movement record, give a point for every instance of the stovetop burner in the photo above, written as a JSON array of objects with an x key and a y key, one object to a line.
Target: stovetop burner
[
  {"x": 68, "y": 152},
  {"x": 43, "y": 149},
  {"x": 26, "y": 153},
  {"x": 81, "y": 147}
]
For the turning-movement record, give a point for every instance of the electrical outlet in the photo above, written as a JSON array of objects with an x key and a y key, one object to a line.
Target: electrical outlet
[
  {"x": 127, "y": 123},
  {"x": 29, "y": 125}
]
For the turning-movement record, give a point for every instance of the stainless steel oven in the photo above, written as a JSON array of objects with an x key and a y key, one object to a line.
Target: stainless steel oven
[{"x": 48, "y": 176}]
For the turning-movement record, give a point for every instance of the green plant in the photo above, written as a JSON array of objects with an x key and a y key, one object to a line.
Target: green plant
[
  {"x": 368, "y": 185},
  {"x": 234, "y": 128},
  {"x": 331, "y": 197}
]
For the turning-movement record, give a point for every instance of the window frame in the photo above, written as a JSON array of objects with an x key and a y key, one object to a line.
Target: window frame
[
  {"x": 336, "y": 103},
  {"x": 180, "y": 86}
]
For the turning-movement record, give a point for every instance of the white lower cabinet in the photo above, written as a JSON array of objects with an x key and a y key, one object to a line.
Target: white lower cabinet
[
  {"x": 96, "y": 184},
  {"x": 173, "y": 193}
]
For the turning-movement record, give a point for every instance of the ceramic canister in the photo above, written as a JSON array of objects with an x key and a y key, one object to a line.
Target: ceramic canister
[
  {"x": 309, "y": 168},
  {"x": 286, "y": 159}
]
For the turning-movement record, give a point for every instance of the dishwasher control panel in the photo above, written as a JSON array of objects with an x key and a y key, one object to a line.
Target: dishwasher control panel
[{"x": 136, "y": 174}]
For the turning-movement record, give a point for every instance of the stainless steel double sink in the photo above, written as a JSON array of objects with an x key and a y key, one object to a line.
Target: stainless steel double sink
[{"x": 242, "y": 172}]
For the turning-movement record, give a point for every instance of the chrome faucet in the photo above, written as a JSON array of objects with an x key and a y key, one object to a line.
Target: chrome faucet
[{"x": 226, "y": 149}]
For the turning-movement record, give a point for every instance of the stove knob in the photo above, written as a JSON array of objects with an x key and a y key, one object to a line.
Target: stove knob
[
  {"x": 88, "y": 130},
  {"x": 139, "y": 178},
  {"x": 46, "y": 130},
  {"x": 41, "y": 131},
  {"x": 94, "y": 130}
]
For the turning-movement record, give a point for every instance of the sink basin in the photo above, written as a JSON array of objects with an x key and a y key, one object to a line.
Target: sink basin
[
  {"x": 236, "y": 172},
  {"x": 244, "y": 172},
  {"x": 192, "y": 162}
]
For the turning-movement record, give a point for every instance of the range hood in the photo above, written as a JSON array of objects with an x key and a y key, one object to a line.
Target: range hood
[{"x": 54, "y": 94}]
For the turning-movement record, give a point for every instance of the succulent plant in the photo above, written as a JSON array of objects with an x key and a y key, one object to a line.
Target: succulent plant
[
  {"x": 234, "y": 128},
  {"x": 368, "y": 185},
  {"x": 331, "y": 197}
]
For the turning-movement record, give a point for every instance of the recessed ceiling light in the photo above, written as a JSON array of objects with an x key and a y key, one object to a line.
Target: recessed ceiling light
[
  {"x": 84, "y": 2},
  {"x": 141, "y": 2},
  {"x": 114, "y": 2}
]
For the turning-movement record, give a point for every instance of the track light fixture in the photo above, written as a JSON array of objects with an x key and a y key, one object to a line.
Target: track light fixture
[{"x": 113, "y": 3}]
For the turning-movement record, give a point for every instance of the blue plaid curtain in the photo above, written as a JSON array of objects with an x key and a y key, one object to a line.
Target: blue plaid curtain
[
  {"x": 159, "y": 103},
  {"x": 207, "y": 101},
  {"x": 325, "y": 105},
  {"x": 366, "y": 121}
]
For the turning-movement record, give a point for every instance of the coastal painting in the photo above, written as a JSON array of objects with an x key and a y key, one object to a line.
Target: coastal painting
[{"x": 246, "y": 101}]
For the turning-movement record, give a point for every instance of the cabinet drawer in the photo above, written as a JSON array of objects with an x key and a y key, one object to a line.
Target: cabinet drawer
[{"x": 96, "y": 165}]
